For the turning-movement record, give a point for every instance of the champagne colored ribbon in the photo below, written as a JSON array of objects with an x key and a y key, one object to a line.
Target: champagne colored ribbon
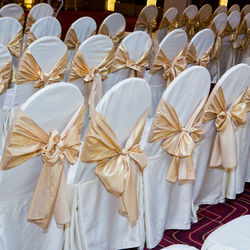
[
  {"x": 21, "y": 19},
  {"x": 29, "y": 70},
  {"x": 5, "y": 76},
  {"x": 191, "y": 25},
  {"x": 30, "y": 39},
  {"x": 204, "y": 23},
  {"x": 247, "y": 99},
  {"x": 92, "y": 76},
  {"x": 245, "y": 43},
  {"x": 15, "y": 45},
  {"x": 117, "y": 167},
  {"x": 224, "y": 153},
  {"x": 122, "y": 61},
  {"x": 116, "y": 38},
  {"x": 230, "y": 32},
  {"x": 177, "y": 141},
  {"x": 144, "y": 22},
  {"x": 27, "y": 140},
  {"x": 29, "y": 22},
  {"x": 191, "y": 57},
  {"x": 216, "y": 49},
  {"x": 165, "y": 23},
  {"x": 170, "y": 69}
]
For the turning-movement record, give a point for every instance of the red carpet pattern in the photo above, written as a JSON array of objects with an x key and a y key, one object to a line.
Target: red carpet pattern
[{"x": 210, "y": 217}]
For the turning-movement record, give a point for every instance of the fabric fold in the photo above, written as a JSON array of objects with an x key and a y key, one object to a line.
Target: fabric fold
[
  {"x": 190, "y": 25},
  {"x": 165, "y": 23},
  {"x": 117, "y": 167},
  {"x": 216, "y": 49},
  {"x": 29, "y": 22},
  {"x": 15, "y": 45},
  {"x": 243, "y": 29},
  {"x": 27, "y": 140},
  {"x": 144, "y": 22},
  {"x": 5, "y": 76}
]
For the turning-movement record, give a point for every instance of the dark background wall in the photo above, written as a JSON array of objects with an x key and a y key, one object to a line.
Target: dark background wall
[{"x": 215, "y": 3}]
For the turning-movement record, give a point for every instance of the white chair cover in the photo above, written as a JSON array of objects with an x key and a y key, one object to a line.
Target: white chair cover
[
  {"x": 50, "y": 111},
  {"x": 96, "y": 223},
  {"x": 228, "y": 52},
  {"x": 234, "y": 235},
  {"x": 12, "y": 10},
  {"x": 205, "y": 11},
  {"x": 137, "y": 44},
  {"x": 168, "y": 205},
  {"x": 233, "y": 8},
  {"x": 179, "y": 247},
  {"x": 245, "y": 10},
  {"x": 84, "y": 27},
  {"x": 214, "y": 67},
  {"x": 171, "y": 46},
  {"x": 220, "y": 9},
  {"x": 215, "y": 184}
]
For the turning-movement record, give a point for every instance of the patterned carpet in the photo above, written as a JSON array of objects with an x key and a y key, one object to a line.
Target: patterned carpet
[{"x": 210, "y": 217}]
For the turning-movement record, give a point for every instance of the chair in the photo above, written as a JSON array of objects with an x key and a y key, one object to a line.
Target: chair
[
  {"x": 214, "y": 184},
  {"x": 90, "y": 67},
  {"x": 179, "y": 247},
  {"x": 94, "y": 209},
  {"x": 79, "y": 31},
  {"x": 220, "y": 9},
  {"x": 189, "y": 20},
  {"x": 245, "y": 10},
  {"x": 46, "y": 114},
  {"x": 167, "y": 64},
  {"x": 217, "y": 26},
  {"x": 234, "y": 7},
  {"x": 131, "y": 58},
  {"x": 168, "y": 202},
  {"x": 146, "y": 20},
  {"x": 46, "y": 26},
  {"x": 199, "y": 48},
  {"x": 205, "y": 15},
  {"x": 114, "y": 27},
  {"x": 13, "y": 10},
  {"x": 228, "y": 52}
]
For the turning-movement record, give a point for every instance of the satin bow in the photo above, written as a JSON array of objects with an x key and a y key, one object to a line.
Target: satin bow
[
  {"x": 230, "y": 32},
  {"x": 5, "y": 76},
  {"x": 224, "y": 153},
  {"x": 165, "y": 23},
  {"x": 243, "y": 29},
  {"x": 15, "y": 45},
  {"x": 191, "y": 25},
  {"x": 144, "y": 22},
  {"x": 117, "y": 167},
  {"x": 192, "y": 57}
]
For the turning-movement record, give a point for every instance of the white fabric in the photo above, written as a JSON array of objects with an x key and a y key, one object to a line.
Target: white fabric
[
  {"x": 96, "y": 223},
  {"x": 228, "y": 53},
  {"x": 215, "y": 184},
  {"x": 168, "y": 205},
  {"x": 246, "y": 9},
  {"x": 137, "y": 43},
  {"x": 12, "y": 10},
  {"x": 214, "y": 67},
  {"x": 205, "y": 11},
  {"x": 84, "y": 28},
  {"x": 95, "y": 49},
  {"x": 191, "y": 11},
  {"x": 171, "y": 46},
  {"x": 234, "y": 235},
  {"x": 179, "y": 247},
  {"x": 49, "y": 110},
  {"x": 221, "y": 9},
  {"x": 233, "y": 8}
]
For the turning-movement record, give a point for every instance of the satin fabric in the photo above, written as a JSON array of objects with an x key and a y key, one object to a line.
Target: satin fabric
[
  {"x": 224, "y": 152},
  {"x": 30, "y": 39},
  {"x": 29, "y": 70},
  {"x": 204, "y": 23},
  {"x": 178, "y": 141},
  {"x": 92, "y": 76},
  {"x": 21, "y": 19},
  {"x": 5, "y": 77},
  {"x": 190, "y": 25},
  {"x": 29, "y": 22},
  {"x": 216, "y": 49},
  {"x": 143, "y": 22},
  {"x": 122, "y": 61},
  {"x": 192, "y": 58},
  {"x": 243, "y": 29},
  {"x": 15, "y": 45},
  {"x": 230, "y": 32},
  {"x": 170, "y": 69},
  {"x": 165, "y": 23},
  {"x": 117, "y": 167},
  {"x": 27, "y": 140}
]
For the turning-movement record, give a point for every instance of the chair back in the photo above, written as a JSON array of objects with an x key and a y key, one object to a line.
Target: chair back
[
  {"x": 245, "y": 10},
  {"x": 233, "y": 8},
  {"x": 234, "y": 19},
  {"x": 13, "y": 10},
  {"x": 205, "y": 11},
  {"x": 191, "y": 11},
  {"x": 220, "y": 9},
  {"x": 220, "y": 22}
]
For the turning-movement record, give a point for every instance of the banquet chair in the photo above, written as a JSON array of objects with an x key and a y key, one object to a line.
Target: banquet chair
[
  {"x": 98, "y": 219},
  {"x": 33, "y": 213},
  {"x": 245, "y": 10},
  {"x": 12, "y": 37},
  {"x": 205, "y": 14},
  {"x": 179, "y": 247},
  {"x": 229, "y": 50},
  {"x": 172, "y": 164},
  {"x": 189, "y": 20},
  {"x": 217, "y": 26},
  {"x": 114, "y": 27},
  {"x": 13, "y": 10},
  {"x": 146, "y": 20},
  {"x": 167, "y": 64},
  {"x": 217, "y": 183},
  {"x": 46, "y": 26},
  {"x": 220, "y": 9},
  {"x": 233, "y": 8},
  {"x": 90, "y": 67},
  {"x": 199, "y": 48},
  {"x": 79, "y": 31},
  {"x": 131, "y": 58},
  {"x": 5, "y": 76}
]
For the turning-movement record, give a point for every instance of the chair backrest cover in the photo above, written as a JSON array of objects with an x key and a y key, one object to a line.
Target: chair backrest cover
[
  {"x": 245, "y": 10},
  {"x": 233, "y": 8},
  {"x": 205, "y": 11},
  {"x": 220, "y": 22},
  {"x": 191, "y": 11},
  {"x": 220, "y": 9},
  {"x": 41, "y": 10},
  {"x": 12, "y": 10},
  {"x": 234, "y": 19}
]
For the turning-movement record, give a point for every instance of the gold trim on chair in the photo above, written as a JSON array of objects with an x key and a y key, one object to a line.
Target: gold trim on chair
[
  {"x": 190, "y": 25},
  {"x": 15, "y": 45},
  {"x": 5, "y": 76},
  {"x": 165, "y": 23},
  {"x": 29, "y": 22},
  {"x": 192, "y": 57},
  {"x": 216, "y": 49},
  {"x": 143, "y": 22}
]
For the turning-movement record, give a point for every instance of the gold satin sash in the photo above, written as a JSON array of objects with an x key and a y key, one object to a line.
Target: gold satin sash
[
  {"x": 29, "y": 70},
  {"x": 216, "y": 49},
  {"x": 190, "y": 25},
  {"x": 230, "y": 32},
  {"x": 170, "y": 69},
  {"x": 143, "y": 22},
  {"x": 122, "y": 61},
  {"x": 224, "y": 153},
  {"x": 27, "y": 140},
  {"x": 5, "y": 76},
  {"x": 117, "y": 167},
  {"x": 165, "y": 23},
  {"x": 245, "y": 43},
  {"x": 29, "y": 22},
  {"x": 21, "y": 19},
  {"x": 15, "y": 45},
  {"x": 247, "y": 99},
  {"x": 92, "y": 76},
  {"x": 177, "y": 141},
  {"x": 204, "y": 23},
  {"x": 30, "y": 39},
  {"x": 191, "y": 57}
]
